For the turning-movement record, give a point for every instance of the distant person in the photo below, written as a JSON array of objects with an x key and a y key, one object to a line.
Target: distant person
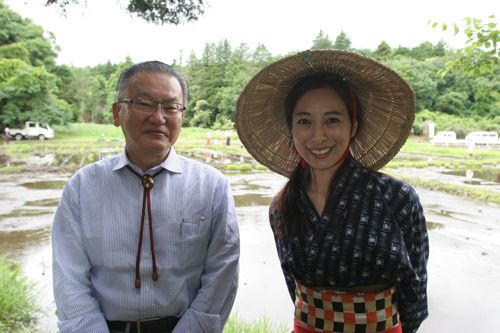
[
  {"x": 146, "y": 241},
  {"x": 228, "y": 134},
  {"x": 470, "y": 147},
  {"x": 6, "y": 135},
  {"x": 352, "y": 242},
  {"x": 209, "y": 139}
]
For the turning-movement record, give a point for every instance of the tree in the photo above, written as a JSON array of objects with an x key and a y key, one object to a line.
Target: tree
[
  {"x": 28, "y": 90},
  {"x": 342, "y": 42},
  {"x": 481, "y": 53},
  {"x": 322, "y": 41},
  {"x": 22, "y": 39},
  {"x": 155, "y": 11},
  {"x": 28, "y": 93},
  {"x": 383, "y": 51}
]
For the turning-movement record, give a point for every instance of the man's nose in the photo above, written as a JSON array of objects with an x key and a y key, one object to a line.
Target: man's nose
[{"x": 157, "y": 116}]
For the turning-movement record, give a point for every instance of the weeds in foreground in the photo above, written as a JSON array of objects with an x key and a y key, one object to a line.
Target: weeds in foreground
[
  {"x": 261, "y": 325},
  {"x": 18, "y": 309}
]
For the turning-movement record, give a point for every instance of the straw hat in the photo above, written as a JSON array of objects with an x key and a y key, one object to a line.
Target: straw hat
[{"x": 385, "y": 120}]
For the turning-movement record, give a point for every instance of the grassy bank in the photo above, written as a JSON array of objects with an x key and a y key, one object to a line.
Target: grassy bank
[
  {"x": 17, "y": 300},
  {"x": 464, "y": 191}
]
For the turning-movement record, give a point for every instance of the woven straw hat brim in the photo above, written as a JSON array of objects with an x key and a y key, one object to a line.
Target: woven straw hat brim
[{"x": 387, "y": 108}]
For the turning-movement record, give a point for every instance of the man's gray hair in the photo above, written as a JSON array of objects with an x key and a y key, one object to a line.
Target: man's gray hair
[{"x": 152, "y": 66}]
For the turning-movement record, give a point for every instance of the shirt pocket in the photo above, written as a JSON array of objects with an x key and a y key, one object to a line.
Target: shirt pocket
[{"x": 193, "y": 227}]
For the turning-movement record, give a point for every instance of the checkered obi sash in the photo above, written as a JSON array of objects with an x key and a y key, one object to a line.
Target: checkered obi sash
[{"x": 328, "y": 310}]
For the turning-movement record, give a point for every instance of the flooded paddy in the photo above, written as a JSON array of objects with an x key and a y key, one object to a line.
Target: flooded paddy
[{"x": 464, "y": 264}]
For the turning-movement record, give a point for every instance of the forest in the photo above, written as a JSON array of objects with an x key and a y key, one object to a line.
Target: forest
[{"x": 34, "y": 87}]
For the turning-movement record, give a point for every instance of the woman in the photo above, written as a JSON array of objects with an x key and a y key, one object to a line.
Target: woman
[{"x": 352, "y": 242}]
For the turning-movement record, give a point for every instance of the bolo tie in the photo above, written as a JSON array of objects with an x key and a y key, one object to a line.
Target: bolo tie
[{"x": 147, "y": 183}]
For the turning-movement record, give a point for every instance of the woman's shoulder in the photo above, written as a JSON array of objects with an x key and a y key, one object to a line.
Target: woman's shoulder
[{"x": 274, "y": 206}]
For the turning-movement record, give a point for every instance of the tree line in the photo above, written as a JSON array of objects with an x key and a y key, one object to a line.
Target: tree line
[{"x": 34, "y": 87}]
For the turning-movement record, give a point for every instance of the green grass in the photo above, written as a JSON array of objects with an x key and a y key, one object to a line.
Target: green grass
[
  {"x": 17, "y": 300},
  {"x": 464, "y": 191},
  {"x": 87, "y": 132},
  {"x": 261, "y": 325},
  {"x": 420, "y": 146}
]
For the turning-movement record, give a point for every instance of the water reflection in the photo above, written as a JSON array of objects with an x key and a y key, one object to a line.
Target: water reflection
[
  {"x": 45, "y": 185},
  {"x": 251, "y": 199},
  {"x": 482, "y": 174},
  {"x": 24, "y": 213},
  {"x": 43, "y": 202},
  {"x": 18, "y": 243}
]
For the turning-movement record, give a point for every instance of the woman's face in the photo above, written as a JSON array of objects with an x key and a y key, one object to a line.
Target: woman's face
[{"x": 321, "y": 128}]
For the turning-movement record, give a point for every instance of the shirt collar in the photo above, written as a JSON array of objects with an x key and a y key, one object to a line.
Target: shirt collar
[{"x": 171, "y": 163}]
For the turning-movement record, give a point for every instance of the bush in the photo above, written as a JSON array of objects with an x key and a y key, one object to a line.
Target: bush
[
  {"x": 239, "y": 167},
  {"x": 18, "y": 309}
]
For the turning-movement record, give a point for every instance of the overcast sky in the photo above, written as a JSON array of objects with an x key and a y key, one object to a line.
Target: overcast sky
[{"x": 102, "y": 30}]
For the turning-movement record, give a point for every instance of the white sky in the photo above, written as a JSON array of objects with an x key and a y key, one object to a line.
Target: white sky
[{"x": 103, "y": 31}]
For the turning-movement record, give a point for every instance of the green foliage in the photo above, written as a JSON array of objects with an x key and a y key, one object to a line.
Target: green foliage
[
  {"x": 31, "y": 86},
  {"x": 342, "y": 42},
  {"x": 28, "y": 91},
  {"x": 461, "y": 125},
  {"x": 155, "y": 11},
  {"x": 17, "y": 300},
  {"x": 383, "y": 51},
  {"x": 481, "y": 53},
  {"x": 321, "y": 42},
  {"x": 239, "y": 167},
  {"x": 25, "y": 34}
]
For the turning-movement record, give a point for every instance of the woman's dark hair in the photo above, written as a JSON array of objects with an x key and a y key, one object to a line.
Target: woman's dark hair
[{"x": 292, "y": 221}]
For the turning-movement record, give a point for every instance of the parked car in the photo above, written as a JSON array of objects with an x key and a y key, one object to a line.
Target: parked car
[
  {"x": 32, "y": 130},
  {"x": 482, "y": 137},
  {"x": 445, "y": 137}
]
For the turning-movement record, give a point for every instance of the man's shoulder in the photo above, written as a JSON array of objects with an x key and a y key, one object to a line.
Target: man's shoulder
[{"x": 94, "y": 171}]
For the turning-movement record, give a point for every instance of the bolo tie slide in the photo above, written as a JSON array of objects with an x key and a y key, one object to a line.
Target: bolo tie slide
[{"x": 147, "y": 183}]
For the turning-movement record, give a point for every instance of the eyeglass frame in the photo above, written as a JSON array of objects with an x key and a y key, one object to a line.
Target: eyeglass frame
[{"x": 134, "y": 101}]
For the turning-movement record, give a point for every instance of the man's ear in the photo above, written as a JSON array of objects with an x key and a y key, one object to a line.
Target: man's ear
[{"x": 116, "y": 107}]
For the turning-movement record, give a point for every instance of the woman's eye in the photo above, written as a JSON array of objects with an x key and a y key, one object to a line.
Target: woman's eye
[
  {"x": 332, "y": 121},
  {"x": 303, "y": 121}
]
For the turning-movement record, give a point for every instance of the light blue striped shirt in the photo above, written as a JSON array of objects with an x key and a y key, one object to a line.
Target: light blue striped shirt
[{"x": 95, "y": 237}]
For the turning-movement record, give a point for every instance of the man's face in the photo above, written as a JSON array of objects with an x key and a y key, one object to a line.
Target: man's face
[{"x": 149, "y": 137}]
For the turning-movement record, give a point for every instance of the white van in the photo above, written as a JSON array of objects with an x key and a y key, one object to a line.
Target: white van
[
  {"x": 482, "y": 137},
  {"x": 445, "y": 137}
]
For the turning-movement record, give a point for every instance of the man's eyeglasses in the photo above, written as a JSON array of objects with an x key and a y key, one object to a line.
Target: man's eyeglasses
[{"x": 149, "y": 107}]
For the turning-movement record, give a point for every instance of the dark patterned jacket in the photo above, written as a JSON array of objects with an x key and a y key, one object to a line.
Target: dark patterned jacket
[{"x": 372, "y": 232}]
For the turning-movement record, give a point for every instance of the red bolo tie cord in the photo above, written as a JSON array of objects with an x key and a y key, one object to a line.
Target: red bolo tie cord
[{"x": 147, "y": 182}]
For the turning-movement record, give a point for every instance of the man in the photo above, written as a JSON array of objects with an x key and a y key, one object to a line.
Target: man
[{"x": 146, "y": 241}]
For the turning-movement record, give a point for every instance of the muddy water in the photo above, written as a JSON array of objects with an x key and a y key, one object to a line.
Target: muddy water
[{"x": 464, "y": 263}]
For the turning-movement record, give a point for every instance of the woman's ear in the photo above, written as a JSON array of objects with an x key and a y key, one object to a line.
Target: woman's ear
[{"x": 354, "y": 129}]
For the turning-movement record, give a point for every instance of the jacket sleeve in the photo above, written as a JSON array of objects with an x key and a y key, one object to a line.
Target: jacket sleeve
[
  {"x": 212, "y": 305},
  {"x": 77, "y": 309},
  {"x": 412, "y": 300}
]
